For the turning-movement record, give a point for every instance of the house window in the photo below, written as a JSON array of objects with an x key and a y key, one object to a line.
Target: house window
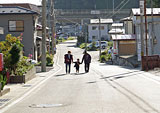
[
  {"x": 16, "y": 26},
  {"x": 93, "y": 37},
  {"x": 94, "y": 27},
  {"x": 102, "y": 27}
]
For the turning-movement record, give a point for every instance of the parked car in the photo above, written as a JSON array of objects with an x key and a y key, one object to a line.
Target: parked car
[
  {"x": 63, "y": 36},
  {"x": 104, "y": 44}
]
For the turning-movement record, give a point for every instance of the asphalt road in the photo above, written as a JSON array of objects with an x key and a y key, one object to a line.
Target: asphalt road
[{"x": 105, "y": 89}]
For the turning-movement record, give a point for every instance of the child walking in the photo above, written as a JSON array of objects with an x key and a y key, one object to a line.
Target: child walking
[{"x": 77, "y": 64}]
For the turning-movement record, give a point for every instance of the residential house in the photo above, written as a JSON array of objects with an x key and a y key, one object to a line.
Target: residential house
[
  {"x": 153, "y": 40},
  {"x": 117, "y": 28},
  {"x": 93, "y": 29},
  {"x": 128, "y": 25},
  {"x": 39, "y": 40},
  {"x": 16, "y": 20},
  {"x": 124, "y": 40}
]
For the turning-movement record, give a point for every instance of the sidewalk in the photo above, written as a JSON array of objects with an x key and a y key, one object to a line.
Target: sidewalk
[{"x": 19, "y": 91}]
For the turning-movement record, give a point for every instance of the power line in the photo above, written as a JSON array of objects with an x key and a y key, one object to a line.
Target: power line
[
  {"x": 118, "y": 6},
  {"x": 119, "y": 9}
]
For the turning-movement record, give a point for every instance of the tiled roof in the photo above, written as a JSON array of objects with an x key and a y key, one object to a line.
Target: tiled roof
[
  {"x": 117, "y": 25},
  {"x": 123, "y": 37},
  {"x": 16, "y": 10},
  {"x": 24, "y": 5},
  {"x": 103, "y": 21}
]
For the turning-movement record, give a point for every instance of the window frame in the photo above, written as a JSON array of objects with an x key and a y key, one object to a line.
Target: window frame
[
  {"x": 94, "y": 27},
  {"x": 9, "y": 28}
]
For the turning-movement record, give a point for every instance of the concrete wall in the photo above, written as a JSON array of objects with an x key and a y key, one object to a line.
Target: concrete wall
[
  {"x": 128, "y": 27},
  {"x": 28, "y": 34},
  {"x": 91, "y": 33},
  {"x": 156, "y": 50}
]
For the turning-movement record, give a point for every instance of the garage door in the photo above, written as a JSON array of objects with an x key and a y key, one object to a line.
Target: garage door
[{"x": 127, "y": 49}]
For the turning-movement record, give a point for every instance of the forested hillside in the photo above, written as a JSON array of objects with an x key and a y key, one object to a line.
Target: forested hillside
[{"x": 95, "y": 4}]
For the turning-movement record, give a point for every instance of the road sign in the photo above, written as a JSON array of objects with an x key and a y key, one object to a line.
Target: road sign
[
  {"x": 1, "y": 61},
  {"x": 95, "y": 12},
  {"x": 142, "y": 7}
]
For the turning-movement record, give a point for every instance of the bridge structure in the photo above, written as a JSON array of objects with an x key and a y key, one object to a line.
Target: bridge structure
[{"x": 64, "y": 16}]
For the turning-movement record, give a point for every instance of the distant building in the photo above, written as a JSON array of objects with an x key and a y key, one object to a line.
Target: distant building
[
  {"x": 117, "y": 28},
  {"x": 93, "y": 29},
  {"x": 128, "y": 25}
]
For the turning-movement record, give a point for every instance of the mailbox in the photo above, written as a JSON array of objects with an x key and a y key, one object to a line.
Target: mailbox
[{"x": 1, "y": 61}]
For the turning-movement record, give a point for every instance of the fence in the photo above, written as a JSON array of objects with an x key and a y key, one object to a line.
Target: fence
[{"x": 150, "y": 62}]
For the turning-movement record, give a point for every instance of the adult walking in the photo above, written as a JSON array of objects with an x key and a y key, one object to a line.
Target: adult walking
[
  {"x": 68, "y": 59},
  {"x": 87, "y": 60}
]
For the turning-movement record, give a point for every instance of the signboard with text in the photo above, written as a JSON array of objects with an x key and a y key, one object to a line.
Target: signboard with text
[{"x": 142, "y": 7}]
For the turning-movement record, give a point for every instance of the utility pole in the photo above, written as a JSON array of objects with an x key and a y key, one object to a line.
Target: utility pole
[
  {"x": 142, "y": 28},
  {"x": 152, "y": 32},
  {"x": 49, "y": 22},
  {"x": 99, "y": 38},
  {"x": 53, "y": 26},
  {"x": 113, "y": 7},
  {"x": 146, "y": 31},
  {"x": 85, "y": 37},
  {"x": 43, "y": 57}
]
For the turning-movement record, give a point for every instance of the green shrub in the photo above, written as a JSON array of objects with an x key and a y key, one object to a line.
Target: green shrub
[
  {"x": 93, "y": 48},
  {"x": 110, "y": 44},
  {"x": 15, "y": 54},
  {"x": 105, "y": 56},
  {"x": 82, "y": 46},
  {"x": 3, "y": 79},
  {"x": 23, "y": 66},
  {"x": 71, "y": 38},
  {"x": 49, "y": 60},
  {"x": 80, "y": 39}
]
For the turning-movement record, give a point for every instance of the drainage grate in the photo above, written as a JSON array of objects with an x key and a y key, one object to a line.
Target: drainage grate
[
  {"x": 4, "y": 100},
  {"x": 45, "y": 105}
]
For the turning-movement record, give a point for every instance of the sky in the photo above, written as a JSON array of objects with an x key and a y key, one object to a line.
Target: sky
[{"x": 36, "y": 2}]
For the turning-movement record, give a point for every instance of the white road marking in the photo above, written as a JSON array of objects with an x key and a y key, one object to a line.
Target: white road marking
[{"x": 34, "y": 88}]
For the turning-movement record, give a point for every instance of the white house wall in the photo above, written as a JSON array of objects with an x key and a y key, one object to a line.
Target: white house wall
[
  {"x": 91, "y": 33},
  {"x": 156, "y": 32}
]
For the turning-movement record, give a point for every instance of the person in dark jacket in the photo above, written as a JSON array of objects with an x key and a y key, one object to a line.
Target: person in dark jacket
[
  {"x": 87, "y": 60},
  {"x": 68, "y": 59},
  {"x": 77, "y": 65}
]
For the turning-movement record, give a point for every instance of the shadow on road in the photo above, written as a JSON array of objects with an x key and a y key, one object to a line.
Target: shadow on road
[
  {"x": 70, "y": 74},
  {"x": 123, "y": 75},
  {"x": 92, "y": 82},
  {"x": 60, "y": 75}
]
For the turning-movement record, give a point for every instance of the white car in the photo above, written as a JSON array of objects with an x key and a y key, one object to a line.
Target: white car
[
  {"x": 63, "y": 36},
  {"x": 104, "y": 44}
]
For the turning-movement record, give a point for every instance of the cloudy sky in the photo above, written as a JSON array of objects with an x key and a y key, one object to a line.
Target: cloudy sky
[{"x": 37, "y": 2}]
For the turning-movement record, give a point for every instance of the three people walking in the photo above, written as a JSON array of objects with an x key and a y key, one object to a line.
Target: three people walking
[{"x": 69, "y": 59}]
